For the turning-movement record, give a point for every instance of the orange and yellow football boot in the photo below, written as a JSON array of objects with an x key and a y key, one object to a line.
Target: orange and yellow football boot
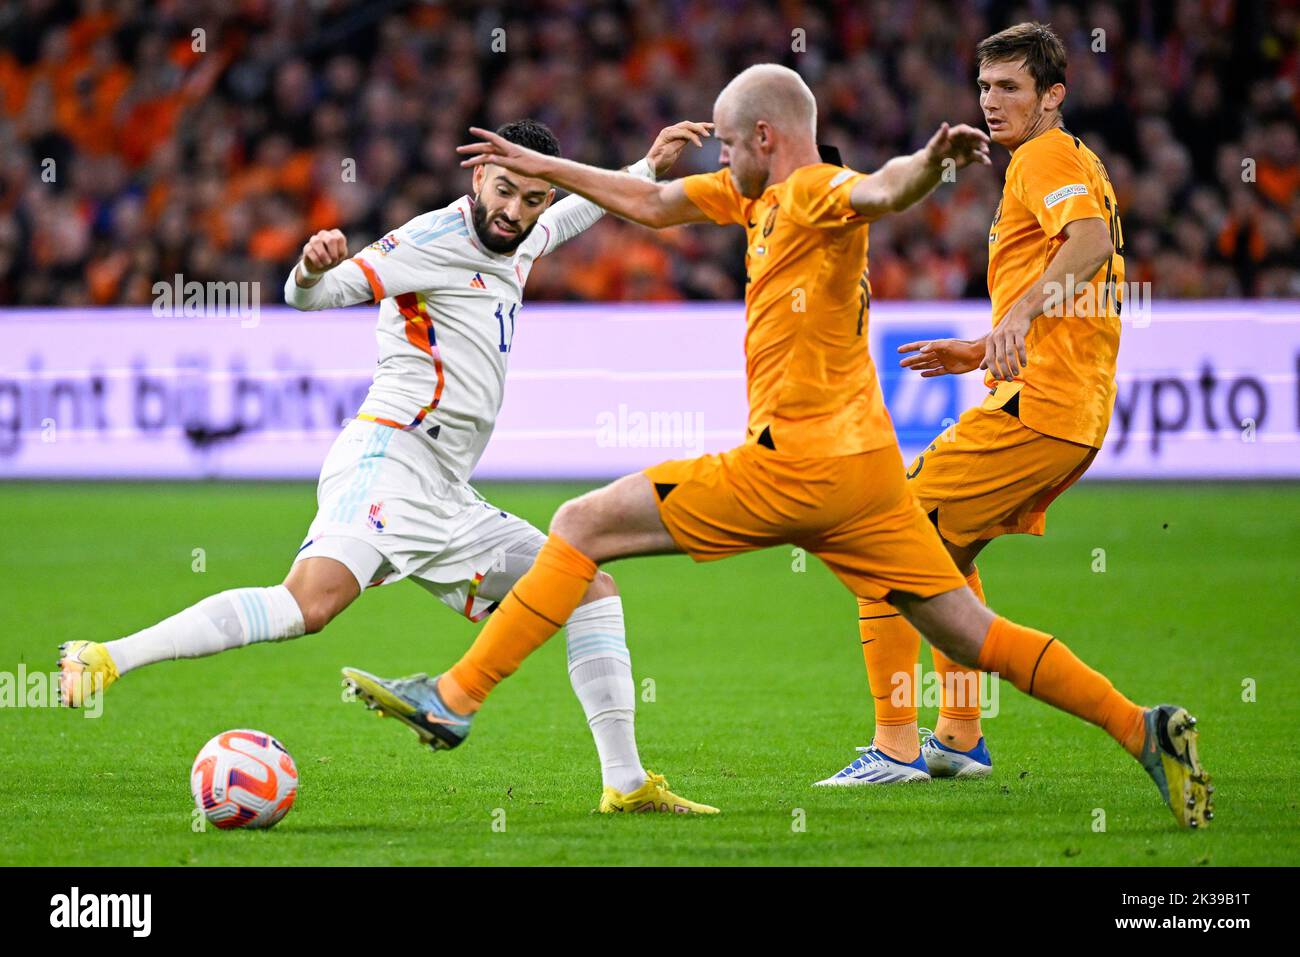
[{"x": 85, "y": 669}]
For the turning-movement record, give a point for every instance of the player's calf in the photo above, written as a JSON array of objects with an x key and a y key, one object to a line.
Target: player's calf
[
  {"x": 229, "y": 619},
  {"x": 956, "y": 622}
]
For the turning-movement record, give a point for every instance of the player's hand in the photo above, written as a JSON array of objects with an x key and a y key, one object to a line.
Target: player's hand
[
  {"x": 938, "y": 357},
  {"x": 962, "y": 144},
  {"x": 1005, "y": 354},
  {"x": 325, "y": 250},
  {"x": 501, "y": 152},
  {"x": 670, "y": 142}
]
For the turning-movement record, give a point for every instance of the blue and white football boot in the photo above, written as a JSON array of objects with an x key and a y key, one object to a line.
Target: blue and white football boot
[
  {"x": 415, "y": 702},
  {"x": 945, "y": 762},
  {"x": 874, "y": 766}
]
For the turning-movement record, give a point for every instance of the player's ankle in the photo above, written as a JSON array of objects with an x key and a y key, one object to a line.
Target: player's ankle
[
  {"x": 455, "y": 697},
  {"x": 899, "y": 741},
  {"x": 960, "y": 734}
]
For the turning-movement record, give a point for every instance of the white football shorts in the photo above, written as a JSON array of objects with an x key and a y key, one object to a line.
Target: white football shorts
[{"x": 387, "y": 512}]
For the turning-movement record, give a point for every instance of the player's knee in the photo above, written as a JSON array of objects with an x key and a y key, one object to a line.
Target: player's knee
[
  {"x": 570, "y": 524},
  {"x": 318, "y": 608},
  {"x": 315, "y": 616}
]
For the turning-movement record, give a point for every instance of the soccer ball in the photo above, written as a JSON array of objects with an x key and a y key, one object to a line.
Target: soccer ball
[{"x": 244, "y": 779}]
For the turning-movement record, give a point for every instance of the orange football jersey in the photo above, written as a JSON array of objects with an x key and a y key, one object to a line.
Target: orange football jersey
[
  {"x": 1068, "y": 389},
  {"x": 812, "y": 385}
]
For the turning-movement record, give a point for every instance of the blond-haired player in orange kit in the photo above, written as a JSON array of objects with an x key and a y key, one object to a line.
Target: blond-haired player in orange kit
[
  {"x": 1056, "y": 273},
  {"x": 820, "y": 467}
]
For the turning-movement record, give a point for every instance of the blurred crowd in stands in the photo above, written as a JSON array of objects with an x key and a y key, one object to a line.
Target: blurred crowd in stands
[{"x": 210, "y": 138}]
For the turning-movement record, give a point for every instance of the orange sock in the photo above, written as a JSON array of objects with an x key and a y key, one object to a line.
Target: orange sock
[
  {"x": 959, "y": 705},
  {"x": 536, "y": 608},
  {"x": 890, "y": 646},
  {"x": 1043, "y": 667}
]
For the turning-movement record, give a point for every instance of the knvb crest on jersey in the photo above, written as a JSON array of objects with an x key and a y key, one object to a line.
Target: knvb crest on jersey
[{"x": 768, "y": 225}]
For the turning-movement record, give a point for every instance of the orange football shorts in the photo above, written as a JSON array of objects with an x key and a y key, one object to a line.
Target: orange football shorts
[
  {"x": 854, "y": 512},
  {"x": 990, "y": 474}
]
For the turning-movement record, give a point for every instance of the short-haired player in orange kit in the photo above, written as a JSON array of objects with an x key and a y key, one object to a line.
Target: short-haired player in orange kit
[
  {"x": 1056, "y": 272},
  {"x": 820, "y": 467}
]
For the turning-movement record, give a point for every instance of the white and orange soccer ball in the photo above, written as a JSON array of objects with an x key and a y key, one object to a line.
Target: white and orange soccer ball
[{"x": 244, "y": 778}]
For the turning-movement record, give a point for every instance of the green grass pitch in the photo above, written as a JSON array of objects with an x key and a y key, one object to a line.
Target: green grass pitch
[{"x": 758, "y": 690}]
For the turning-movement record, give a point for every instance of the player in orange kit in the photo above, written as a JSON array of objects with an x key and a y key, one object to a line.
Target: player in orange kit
[
  {"x": 1056, "y": 273},
  {"x": 820, "y": 467}
]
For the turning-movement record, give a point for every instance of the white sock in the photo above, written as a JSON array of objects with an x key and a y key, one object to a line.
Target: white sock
[
  {"x": 231, "y": 619},
  {"x": 600, "y": 669}
]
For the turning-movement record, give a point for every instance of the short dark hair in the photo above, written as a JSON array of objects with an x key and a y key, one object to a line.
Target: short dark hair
[
  {"x": 1034, "y": 43},
  {"x": 531, "y": 135}
]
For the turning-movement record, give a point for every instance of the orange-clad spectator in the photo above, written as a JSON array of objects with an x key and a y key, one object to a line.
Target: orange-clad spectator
[
  {"x": 104, "y": 276},
  {"x": 278, "y": 236},
  {"x": 283, "y": 122},
  {"x": 629, "y": 261},
  {"x": 1241, "y": 229},
  {"x": 889, "y": 277},
  {"x": 95, "y": 21},
  {"x": 14, "y": 81},
  {"x": 323, "y": 213},
  {"x": 1279, "y": 167},
  {"x": 275, "y": 243}
]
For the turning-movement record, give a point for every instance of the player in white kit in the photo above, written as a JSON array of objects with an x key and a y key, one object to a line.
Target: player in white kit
[{"x": 394, "y": 499}]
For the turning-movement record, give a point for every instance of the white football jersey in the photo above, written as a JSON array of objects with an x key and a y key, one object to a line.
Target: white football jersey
[{"x": 448, "y": 311}]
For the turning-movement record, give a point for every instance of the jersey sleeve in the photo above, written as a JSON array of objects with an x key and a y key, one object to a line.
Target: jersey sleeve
[
  {"x": 405, "y": 260},
  {"x": 716, "y": 196},
  {"x": 344, "y": 285},
  {"x": 574, "y": 215},
  {"x": 1054, "y": 184},
  {"x": 820, "y": 197}
]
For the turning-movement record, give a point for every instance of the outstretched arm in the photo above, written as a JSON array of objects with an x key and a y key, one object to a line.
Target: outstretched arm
[
  {"x": 906, "y": 180},
  {"x": 574, "y": 214},
  {"x": 651, "y": 204},
  {"x": 936, "y": 357}
]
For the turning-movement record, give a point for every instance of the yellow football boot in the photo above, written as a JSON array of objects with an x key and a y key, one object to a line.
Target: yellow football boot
[
  {"x": 651, "y": 796},
  {"x": 85, "y": 669}
]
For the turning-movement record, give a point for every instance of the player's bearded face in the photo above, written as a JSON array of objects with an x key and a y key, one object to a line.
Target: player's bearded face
[{"x": 507, "y": 207}]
